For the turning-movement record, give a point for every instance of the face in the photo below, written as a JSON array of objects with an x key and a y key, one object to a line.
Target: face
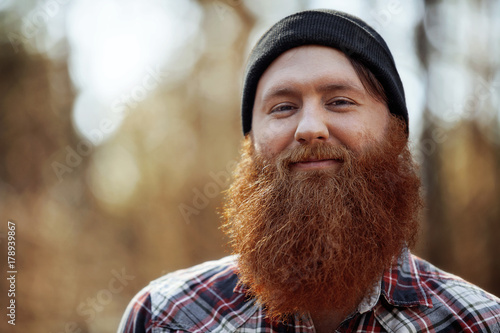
[
  {"x": 311, "y": 212},
  {"x": 316, "y": 240},
  {"x": 312, "y": 94}
]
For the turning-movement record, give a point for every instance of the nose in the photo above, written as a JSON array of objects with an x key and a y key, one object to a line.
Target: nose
[{"x": 312, "y": 127}]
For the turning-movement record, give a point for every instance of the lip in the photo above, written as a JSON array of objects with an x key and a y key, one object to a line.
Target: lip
[{"x": 316, "y": 164}]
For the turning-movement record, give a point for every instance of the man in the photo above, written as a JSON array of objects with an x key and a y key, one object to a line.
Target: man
[{"x": 324, "y": 205}]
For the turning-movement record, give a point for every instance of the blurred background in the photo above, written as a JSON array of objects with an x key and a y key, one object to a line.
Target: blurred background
[{"x": 119, "y": 127}]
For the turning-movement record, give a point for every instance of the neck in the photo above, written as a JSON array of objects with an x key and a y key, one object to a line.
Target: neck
[{"x": 327, "y": 321}]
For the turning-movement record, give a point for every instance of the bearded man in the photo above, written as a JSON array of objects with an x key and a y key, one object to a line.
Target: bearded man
[{"x": 324, "y": 205}]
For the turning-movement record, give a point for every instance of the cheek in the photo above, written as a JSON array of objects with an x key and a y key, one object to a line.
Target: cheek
[
  {"x": 352, "y": 138},
  {"x": 357, "y": 133},
  {"x": 378, "y": 125},
  {"x": 365, "y": 133},
  {"x": 270, "y": 141}
]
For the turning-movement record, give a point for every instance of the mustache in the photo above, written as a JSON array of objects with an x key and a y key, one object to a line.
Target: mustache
[{"x": 316, "y": 152}]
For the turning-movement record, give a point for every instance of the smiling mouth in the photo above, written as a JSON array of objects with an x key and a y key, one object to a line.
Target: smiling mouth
[{"x": 316, "y": 164}]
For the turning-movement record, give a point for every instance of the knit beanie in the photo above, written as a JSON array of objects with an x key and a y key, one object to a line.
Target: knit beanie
[{"x": 347, "y": 33}]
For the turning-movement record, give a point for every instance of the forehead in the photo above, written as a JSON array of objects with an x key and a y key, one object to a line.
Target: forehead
[{"x": 309, "y": 64}]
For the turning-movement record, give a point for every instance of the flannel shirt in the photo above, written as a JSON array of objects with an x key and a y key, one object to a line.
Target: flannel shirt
[{"x": 413, "y": 296}]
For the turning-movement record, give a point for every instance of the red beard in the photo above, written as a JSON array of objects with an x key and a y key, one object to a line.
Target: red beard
[{"x": 316, "y": 240}]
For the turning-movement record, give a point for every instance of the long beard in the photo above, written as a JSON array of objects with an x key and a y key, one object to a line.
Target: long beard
[{"x": 316, "y": 240}]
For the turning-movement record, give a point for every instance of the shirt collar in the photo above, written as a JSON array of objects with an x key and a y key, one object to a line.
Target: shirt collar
[
  {"x": 371, "y": 299},
  {"x": 240, "y": 288},
  {"x": 402, "y": 284}
]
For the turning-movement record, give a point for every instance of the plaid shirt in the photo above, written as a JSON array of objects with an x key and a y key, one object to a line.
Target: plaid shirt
[{"x": 413, "y": 296}]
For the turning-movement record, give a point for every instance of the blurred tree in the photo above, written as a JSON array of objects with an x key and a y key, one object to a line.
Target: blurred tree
[{"x": 461, "y": 163}]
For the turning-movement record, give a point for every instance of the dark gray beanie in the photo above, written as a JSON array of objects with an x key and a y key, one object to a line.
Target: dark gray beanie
[{"x": 335, "y": 29}]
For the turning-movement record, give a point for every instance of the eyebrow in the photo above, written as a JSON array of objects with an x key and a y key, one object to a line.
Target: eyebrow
[
  {"x": 341, "y": 86},
  {"x": 282, "y": 90}
]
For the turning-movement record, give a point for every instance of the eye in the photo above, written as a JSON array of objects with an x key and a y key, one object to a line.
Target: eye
[
  {"x": 341, "y": 103},
  {"x": 283, "y": 108}
]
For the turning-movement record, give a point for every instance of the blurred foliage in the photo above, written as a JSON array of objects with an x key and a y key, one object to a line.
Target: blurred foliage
[
  {"x": 461, "y": 170},
  {"x": 144, "y": 201}
]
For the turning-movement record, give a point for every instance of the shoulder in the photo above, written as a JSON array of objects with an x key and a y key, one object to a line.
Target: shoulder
[
  {"x": 204, "y": 272},
  {"x": 183, "y": 299},
  {"x": 447, "y": 302},
  {"x": 161, "y": 303},
  {"x": 137, "y": 316},
  {"x": 457, "y": 294},
  {"x": 217, "y": 276},
  {"x": 205, "y": 297}
]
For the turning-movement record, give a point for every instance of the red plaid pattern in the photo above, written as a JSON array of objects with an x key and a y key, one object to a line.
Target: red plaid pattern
[{"x": 414, "y": 297}]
